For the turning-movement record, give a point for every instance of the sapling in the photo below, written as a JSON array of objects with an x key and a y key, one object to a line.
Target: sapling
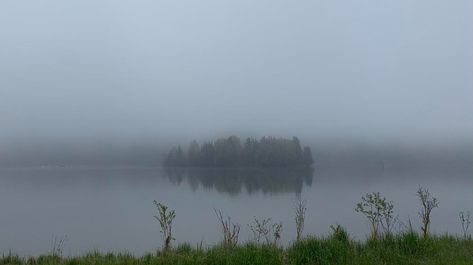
[
  {"x": 428, "y": 203},
  {"x": 260, "y": 229},
  {"x": 388, "y": 220},
  {"x": 165, "y": 218},
  {"x": 300, "y": 218},
  {"x": 378, "y": 211},
  {"x": 277, "y": 230},
  {"x": 264, "y": 229},
  {"x": 465, "y": 223},
  {"x": 230, "y": 230}
]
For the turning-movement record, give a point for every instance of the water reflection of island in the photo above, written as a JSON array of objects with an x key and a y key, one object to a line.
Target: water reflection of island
[{"x": 234, "y": 181}]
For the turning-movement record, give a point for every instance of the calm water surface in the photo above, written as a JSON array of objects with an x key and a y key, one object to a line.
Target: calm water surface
[{"x": 111, "y": 209}]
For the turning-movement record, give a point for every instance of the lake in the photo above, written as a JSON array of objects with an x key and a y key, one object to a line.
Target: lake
[{"x": 111, "y": 209}]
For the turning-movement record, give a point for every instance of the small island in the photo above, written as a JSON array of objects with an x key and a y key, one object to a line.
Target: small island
[{"x": 231, "y": 153}]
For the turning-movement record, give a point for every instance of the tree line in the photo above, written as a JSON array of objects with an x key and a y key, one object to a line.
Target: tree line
[{"x": 231, "y": 152}]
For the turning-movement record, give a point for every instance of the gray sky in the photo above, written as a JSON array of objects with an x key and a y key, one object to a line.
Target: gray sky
[{"x": 371, "y": 69}]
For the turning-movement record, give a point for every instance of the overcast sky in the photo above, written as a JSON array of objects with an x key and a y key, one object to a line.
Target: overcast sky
[{"x": 367, "y": 68}]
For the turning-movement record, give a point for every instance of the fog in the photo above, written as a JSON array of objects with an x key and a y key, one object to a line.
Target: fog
[
  {"x": 95, "y": 95},
  {"x": 124, "y": 72}
]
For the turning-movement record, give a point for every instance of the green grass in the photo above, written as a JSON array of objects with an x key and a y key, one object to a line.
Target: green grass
[{"x": 406, "y": 248}]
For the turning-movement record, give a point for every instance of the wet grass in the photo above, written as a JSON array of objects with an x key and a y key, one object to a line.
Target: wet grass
[{"x": 407, "y": 248}]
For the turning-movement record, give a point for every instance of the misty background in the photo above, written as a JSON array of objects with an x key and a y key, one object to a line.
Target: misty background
[{"x": 118, "y": 82}]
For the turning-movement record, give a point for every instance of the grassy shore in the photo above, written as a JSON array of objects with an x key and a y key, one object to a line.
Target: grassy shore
[
  {"x": 383, "y": 247},
  {"x": 408, "y": 248}
]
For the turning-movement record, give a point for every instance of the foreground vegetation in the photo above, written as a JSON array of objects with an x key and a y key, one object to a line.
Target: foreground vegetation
[
  {"x": 383, "y": 246},
  {"x": 408, "y": 248}
]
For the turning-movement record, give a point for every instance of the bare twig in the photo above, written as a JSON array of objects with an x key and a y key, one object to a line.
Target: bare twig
[
  {"x": 300, "y": 218},
  {"x": 230, "y": 230},
  {"x": 465, "y": 223},
  {"x": 57, "y": 245}
]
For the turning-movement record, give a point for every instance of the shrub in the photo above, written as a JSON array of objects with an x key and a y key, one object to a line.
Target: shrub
[
  {"x": 428, "y": 203},
  {"x": 340, "y": 234},
  {"x": 230, "y": 230},
  {"x": 378, "y": 211},
  {"x": 165, "y": 219}
]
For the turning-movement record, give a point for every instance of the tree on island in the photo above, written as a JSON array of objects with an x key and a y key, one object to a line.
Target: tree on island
[
  {"x": 230, "y": 152},
  {"x": 176, "y": 157}
]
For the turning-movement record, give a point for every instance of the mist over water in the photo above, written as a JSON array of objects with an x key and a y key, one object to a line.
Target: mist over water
[{"x": 93, "y": 94}]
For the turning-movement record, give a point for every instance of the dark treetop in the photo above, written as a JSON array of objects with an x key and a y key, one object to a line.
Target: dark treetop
[{"x": 230, "y": 152}]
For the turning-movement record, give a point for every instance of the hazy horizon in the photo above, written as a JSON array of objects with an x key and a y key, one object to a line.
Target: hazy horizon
[{"x": 370, "y": 71}]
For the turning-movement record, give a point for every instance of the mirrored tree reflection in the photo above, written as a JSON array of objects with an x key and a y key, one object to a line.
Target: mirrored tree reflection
[{"x": 250, "y": 180}]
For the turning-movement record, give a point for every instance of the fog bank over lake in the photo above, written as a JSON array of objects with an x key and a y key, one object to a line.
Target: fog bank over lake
[
  {"x": 121, "y": 70},
  {"x": 334, "y": 153}
]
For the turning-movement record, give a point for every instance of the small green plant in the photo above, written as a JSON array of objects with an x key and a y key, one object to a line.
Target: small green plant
[
  {"x": 340, "y": 234},
  {"x": 165, "y": 218},
  {"x": 465, "y": 223},
  {"x": 277, "y": 230},
  {"x": 300, "y": 218},
  {"x": 378, "y": 211},
  {"x": 428, "y": 203},
  {"x": 230, "y": 230}
]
